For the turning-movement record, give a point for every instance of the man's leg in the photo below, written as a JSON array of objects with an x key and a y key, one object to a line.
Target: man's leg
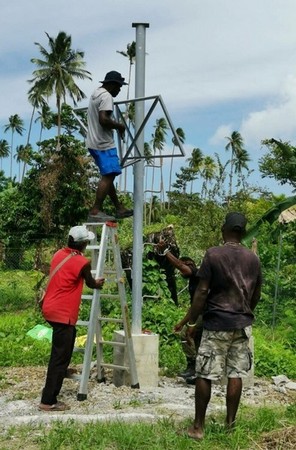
[
  {"x": 202, "y": 398},
  {"x": 234, "y": 390},
  {"x": 105, "y": 187},
  {"x": 61, "y": 351}
]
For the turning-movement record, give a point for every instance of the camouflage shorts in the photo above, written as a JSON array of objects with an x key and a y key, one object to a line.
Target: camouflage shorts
[{"x": 224, "y": 353}]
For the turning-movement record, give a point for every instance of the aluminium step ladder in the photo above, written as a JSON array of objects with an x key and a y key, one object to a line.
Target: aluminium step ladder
[{"x": 106, "y": 262}]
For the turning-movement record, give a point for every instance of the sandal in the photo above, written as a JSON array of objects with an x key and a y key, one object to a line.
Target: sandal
[
  {"x": 124, "y": 214},
  {"x": 59, "y": 406}
]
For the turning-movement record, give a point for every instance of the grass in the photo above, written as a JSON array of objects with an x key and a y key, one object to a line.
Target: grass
[{"x": 256, "y": 426}]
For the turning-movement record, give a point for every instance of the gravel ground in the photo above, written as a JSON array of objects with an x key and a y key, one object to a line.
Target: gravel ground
[{"x": 21, "y": 388}]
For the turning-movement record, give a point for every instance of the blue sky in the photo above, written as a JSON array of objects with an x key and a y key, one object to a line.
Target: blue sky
[{"x": 219, "y": 65}]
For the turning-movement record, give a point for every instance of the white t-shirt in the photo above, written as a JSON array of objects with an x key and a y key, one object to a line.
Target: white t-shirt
[{"x": 99, "y": 138}]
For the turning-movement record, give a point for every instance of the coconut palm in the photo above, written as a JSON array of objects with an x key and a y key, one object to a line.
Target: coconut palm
[
  {"x": 57, "y": 71},
  {"x": 37, "y": 100},
  {"x": 235, "y": 144},
  {"x": 158, "y": 141},
  {"x": 129, "y": 114},
  {"x": 4, "y": 150},
  {"x": 23, "y": 155},
  {"x": 45, "y": 118},
  {"x": 181, "y": 135},
  {"x": 195, "y": 163},
  {"x": 130, "y": 53},
  {"x": 16, "y": 124},
  {"x": 208, "y": 171}
]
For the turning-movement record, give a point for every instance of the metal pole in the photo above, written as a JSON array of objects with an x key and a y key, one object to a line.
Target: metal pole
[{"x": 138, "y": 180}]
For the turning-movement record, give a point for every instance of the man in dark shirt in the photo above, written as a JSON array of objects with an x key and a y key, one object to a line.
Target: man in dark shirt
[
  {"x": 190, "y": 345},
  {"x": 228, "y": 292}
]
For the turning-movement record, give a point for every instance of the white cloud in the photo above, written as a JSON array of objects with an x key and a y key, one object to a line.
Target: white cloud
[
  {"x": 220, "y": 134},
  {"x": 276, "y": 120}
]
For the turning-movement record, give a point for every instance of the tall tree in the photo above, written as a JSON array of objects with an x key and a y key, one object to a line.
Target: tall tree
[
  {"x": 16, "y": 124},
  {"x": 181, "y": 135},
  {"x": 129, "y": 114},
  {"x": 195, "y": 163},
  {"x": 158, "y": 142},
  {"x": 36, "y": 99},
  {"x": 209, "y": 168},
  {"x": 4, "y": 150},
  {"x": 45, "y": 118},
  {"x": 235, "y": 144},
  {"x": 280, "y": 162},
  {"x": 57, "y": 71},
  {"x": 23, "y": 155},
  {"x": 130, "y": 53}
]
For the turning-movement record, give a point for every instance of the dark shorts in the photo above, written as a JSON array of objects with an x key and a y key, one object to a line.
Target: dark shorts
[
  {"x": 224, "y": 353},
  {"x": 107, "y": 161}
]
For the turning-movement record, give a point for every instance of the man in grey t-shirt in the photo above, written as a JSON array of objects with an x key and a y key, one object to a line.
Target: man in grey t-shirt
[
  {"x": 101, "y": 145},
  {"x": 227, "y": 294}
]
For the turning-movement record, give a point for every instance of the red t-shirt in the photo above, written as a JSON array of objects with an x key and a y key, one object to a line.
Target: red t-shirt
[{"x": 63, "y": 295}]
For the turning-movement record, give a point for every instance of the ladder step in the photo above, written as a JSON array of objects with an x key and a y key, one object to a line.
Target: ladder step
[
  {"x": 113, "y": 343},
  {"x": 78, "y": 350},
  {"x": 84, "y": 323},
  {"x": 115, "y": 366},
  {"x": 110, "y": 319},
  {"x": 87, "y": 297},
  {"x": 93, "y": 247}
]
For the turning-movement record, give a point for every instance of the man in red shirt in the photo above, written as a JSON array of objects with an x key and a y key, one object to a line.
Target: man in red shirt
[
  {"x": 61, "y": 307},
  {"x": 227, "y": 294}
]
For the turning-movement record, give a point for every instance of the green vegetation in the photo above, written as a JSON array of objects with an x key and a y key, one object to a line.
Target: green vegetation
[{"x": 274, "y": 427}]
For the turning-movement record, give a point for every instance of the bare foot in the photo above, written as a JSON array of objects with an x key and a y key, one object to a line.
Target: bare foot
[{"x": 195, "y": 433}]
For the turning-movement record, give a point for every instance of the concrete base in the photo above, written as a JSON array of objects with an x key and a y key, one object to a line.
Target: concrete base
[{"x": 146, "y": 356}]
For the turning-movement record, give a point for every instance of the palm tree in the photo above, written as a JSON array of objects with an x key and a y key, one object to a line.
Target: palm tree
[
  {"x": 181, "y": 135},
  {"x": 23, "y": 154},
  {"x": 235, "y": 144},
  {"x": 36, "y": 99},
  {"x": 158, "y": 141},
  {"x": 195, "y": 163},
  {"x": 57, "y": 71},
  {"x": 129, "y": 114},
  {"x": 130, "y": 53},
  {"x": 45, "y": 118},
  {"x": 16, "y": 124},
  {"x": 209, "y": 168},
  {"x": 4, "y": 150}
]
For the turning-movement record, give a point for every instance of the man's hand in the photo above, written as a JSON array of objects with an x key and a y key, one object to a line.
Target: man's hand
[
  {"x": 99, "y": 283},
  {"x": 190, "y": 333},
  {"x": 121, "y": 130},
  {"x": 178, "y": 327},
  {"x": 161, "y": 246}
]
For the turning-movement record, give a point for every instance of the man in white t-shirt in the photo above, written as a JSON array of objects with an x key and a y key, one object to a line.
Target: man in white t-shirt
[{"x": 101, "y": 145}]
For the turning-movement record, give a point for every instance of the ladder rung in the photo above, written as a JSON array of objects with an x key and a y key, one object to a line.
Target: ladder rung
[
  {"x": 78, "y": 349},
  {"x": 93, "y": 247},
  {"x": 84, "y": 323},
  {"x": 115, "y": 366},
  {"x": 110, "y": 319},
  {"x": 87, "y": 297},
  {"x": 113, "y": 343}
]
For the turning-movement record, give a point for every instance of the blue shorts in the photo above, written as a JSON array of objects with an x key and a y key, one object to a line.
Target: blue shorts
[{"x": 107, "y": 161}]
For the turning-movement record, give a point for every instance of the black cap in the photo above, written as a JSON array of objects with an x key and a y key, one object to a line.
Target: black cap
[
  {"x": 114, "y": 77},
  {"x": 235, "y": 221}
]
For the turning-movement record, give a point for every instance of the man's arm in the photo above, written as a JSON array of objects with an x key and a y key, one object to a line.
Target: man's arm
[
  {"x": 256, "y": 295},
  {"x": 106, "y": 120},
  {"x": 177, "y": 263},
  {"x": 90, "y": 281},
  {"x": 199, "y": 300}
]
